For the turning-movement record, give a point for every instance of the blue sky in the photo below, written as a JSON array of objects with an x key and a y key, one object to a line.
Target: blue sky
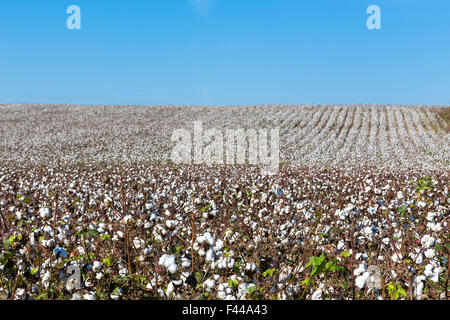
[{"x": 225, "y": 52}]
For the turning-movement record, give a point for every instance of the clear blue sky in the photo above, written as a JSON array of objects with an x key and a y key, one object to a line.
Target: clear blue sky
[{"x": 225, "y": 52}]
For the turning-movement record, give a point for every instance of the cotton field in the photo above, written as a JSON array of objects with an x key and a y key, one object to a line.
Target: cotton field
[{"x": 359, "y": 207}]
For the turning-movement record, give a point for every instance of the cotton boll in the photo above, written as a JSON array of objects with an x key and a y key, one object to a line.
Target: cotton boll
[
  {"x": 210, "y": 255},
  {"x": 341, "y": 244},
  {"x": 419, "y": 259},
  {"x": 430, "y": 253},
  {"x": 44, "y": 212},
  {"x": 360, "y": 269},
  {"x": 172, "y": 268},
  {"x": 427, "y": 241},
  {"x": 89, "y": 296},
  {"x": 317, "y": 295},
  {"x": 209, "y": 238},
  {"x": 170, "y": 289},
  {"x": 362, "y": 279},
  {"x": 419, "y": 287},
  {"x": 96, "y": 266},
  {"x": 397, "y": 257},
  {"x": 162, "y": 260},
  {"x": 209, "y": 284},
  {"x": 219, "y": 245},
  {"x": 120, "y": 234}
]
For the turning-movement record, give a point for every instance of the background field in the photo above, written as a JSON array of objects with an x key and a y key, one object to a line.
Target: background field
[{"x": 382, "y": 136}]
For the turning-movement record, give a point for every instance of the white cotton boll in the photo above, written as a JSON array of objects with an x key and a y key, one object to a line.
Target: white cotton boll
[
  {"x": 201, "y": 239},
  {"x": 219, "y": 245},
  {"x": 341, "y": 244},
  {"x": 127, "y": 219},
  {"x": 120, "y": 234},
  {"x": 209, "y": 284},
  {"x": 48, "y": 229},
  {"x": 201, "y": 252},
  {"x": 421, "y": 204},
  {"x": 162, "y": 260},
  {"x": 44, "y": 212},
  {"x": 209, "y": 238},
  {"x": 431, "y": 216},
  {"x": 419, "y": 259},
  {"x": 221, "y": 295},
  {"x": 186, "y": 264},
  {"x": 427, "y": 241},
  {"x": 147, "y": 225},
  {"x": 430, "y": 253},
  {"x": 419, "y": 287},
  {"x": 170, "y": 289},
  {"x": 397, "y": 257},
  {"x": 385, "y": 241},
  {"x": 317, "y": 295},
  {"x": 81, "y": 250},
  {"x": 436, "y": 227},
  {"x": 210, "y": 255},
  {"x": 169, "y": 260},
  {"x": 172, "y": 268},
  {"x": 96, "y": 266},
  {"x": 89, "y": 296},
  {"x": 250, "y": 266},
  {"x": 99, "y": 276},
  {"x": 428, "y": 270},
  {"x": 230, "y": 263},
  {"x": 137, "y": 243},
  {"x": 362, "y": 279},
  {"x": 361, "y": 268}
]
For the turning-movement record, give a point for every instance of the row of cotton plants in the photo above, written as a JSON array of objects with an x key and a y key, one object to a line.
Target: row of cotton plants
[
  {"x": 325, "y": 135},
  {"x": 149, "y": 231}
]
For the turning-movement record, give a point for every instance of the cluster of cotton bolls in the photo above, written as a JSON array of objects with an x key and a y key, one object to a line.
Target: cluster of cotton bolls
[{"x": 191, "y": 232}]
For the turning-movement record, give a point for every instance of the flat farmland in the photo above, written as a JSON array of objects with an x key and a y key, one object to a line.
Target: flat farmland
[{"x": 357, "y": 210}]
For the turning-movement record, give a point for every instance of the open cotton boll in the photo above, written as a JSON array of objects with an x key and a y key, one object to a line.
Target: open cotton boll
[
  {"x": 209, "y": 284},
  {"x": 419, "y": 259},
  {"x": 209, "y": 238},
  {"x": 172, "y": 268},
  {"x": 397, "y": 257},
  {"x": 44, "y": 212},
  {"x": 361, "y": 268},
  {"x": 340, "y": 244},
  {"x": 96, "y": 266},
  {"x": 419, "y": 287},
  {"x": 362, "y": 279},
  {"x": 219, "y": 245},
  {"x": 427, "y": 241},
  {"x": 210, "y": 254},
  {"x": 430, "y": 253},
  {"x": 317, "y": 295},
  {"x": 89, "y": 296}
]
